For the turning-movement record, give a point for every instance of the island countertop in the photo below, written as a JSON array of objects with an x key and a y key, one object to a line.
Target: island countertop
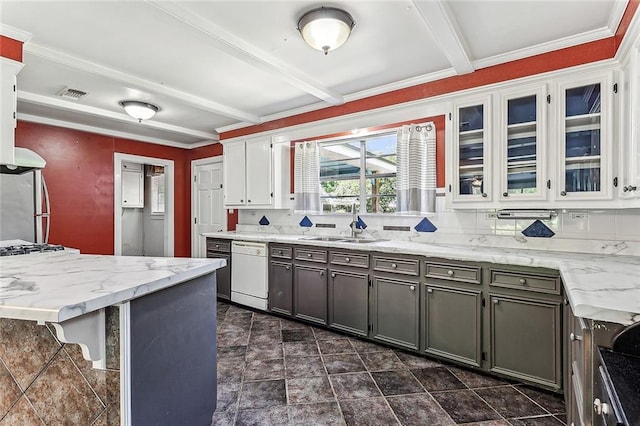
[
  {"x": 57, "y": 286},
  {"x": 598, "y": 286}
]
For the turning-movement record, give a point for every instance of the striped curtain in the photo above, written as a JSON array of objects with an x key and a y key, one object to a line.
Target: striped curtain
[
  {"x": 416, "y": 169},
  {"x": 307, "y": 177}
]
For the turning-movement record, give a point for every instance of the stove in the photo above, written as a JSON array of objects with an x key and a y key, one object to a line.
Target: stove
[{"x": 18, "y": 249}]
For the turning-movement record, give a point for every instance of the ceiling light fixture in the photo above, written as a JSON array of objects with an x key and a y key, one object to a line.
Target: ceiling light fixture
[
  {"x": 139, "y": 110},
  {"x": 325, "y": 28}
]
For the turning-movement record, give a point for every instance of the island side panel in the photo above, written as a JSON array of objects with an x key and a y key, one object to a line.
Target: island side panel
[
  {"x": 45, "y": 381},
  {"x": 173, "y": 354}
]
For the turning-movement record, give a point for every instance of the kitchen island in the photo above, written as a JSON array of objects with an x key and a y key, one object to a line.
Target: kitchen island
[{"x": 107, "y": 339}]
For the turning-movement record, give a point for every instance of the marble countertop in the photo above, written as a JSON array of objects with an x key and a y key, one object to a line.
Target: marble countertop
[
  {"x": 57, "y": 286},
  {"x": 599, "y": 287}
]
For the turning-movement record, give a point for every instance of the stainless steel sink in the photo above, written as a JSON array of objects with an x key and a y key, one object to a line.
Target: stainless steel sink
[
  {"x": 362, "y": 240},
  {"x": 324, "y": 238}
]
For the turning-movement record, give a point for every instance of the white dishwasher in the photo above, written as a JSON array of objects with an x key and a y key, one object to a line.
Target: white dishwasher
[{"x": 249, "y": 274}]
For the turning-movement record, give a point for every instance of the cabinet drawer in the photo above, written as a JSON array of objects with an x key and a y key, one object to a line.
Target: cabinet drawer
[
  {"x": 461, "y": 273},
  {"x": 539, "y": 283},
  {"x": 349, "y": 259},
  {"x": 396, "y": 265},
  {"x": 311, "y": 255},
  {"x": 218, "y": 245},
  {"x": 280, "y": 252}
]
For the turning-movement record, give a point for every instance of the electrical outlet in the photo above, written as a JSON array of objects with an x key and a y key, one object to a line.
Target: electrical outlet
[
  {"x": 577, "y": 215},
  {"x": 492, "y": 215}
]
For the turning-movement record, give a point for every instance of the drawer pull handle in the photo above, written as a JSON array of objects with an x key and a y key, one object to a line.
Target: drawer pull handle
[
  {"x": 393, "y": 265},
  {"x": 523, "y": 281},
  {"x": 573, "y": 337},
  {"x": 450, "y": 272},
  {"x": 309, "y": 255},
  {"x": 346, "y": 259},
  {"x": 412, "y": 288},
  {"x": 279, "y": 251}
]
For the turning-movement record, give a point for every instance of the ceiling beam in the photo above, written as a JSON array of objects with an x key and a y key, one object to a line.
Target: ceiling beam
[
  {"x": 440, "y": 21},
  {"x": 187, "y": 98},
  {"x": 62, "y": 104},
  {"x": 248, "y": 53}
]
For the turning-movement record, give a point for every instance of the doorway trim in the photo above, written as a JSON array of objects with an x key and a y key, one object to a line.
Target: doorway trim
[
  {"x": 169, "y": 225},
  {"x": 195, "y": 246}
]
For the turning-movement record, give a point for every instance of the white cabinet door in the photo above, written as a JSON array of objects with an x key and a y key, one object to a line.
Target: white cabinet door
[
  {"x": 584, "y": 139},
  {"x": 471, "y": 173},
  {"x": 629, "y": 124},
  {"x": 259, "y": 173},
  {"x": 8, "y": 104},
  {"x": 234, "y": 174},
  {"x": 132, "y": 188},
  {"x": 522, "y": 163}
]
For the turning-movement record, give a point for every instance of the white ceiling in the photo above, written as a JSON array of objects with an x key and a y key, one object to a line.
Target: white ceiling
[{"x": 213, "y": 66}]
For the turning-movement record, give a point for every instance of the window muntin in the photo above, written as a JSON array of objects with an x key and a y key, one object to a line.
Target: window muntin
[{"x": 361, "y": 171}]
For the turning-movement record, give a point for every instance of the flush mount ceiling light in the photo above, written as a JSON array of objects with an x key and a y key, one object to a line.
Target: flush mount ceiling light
[
  {"x": 325, "y": 28},
  {"x": 139, "y": 110}
]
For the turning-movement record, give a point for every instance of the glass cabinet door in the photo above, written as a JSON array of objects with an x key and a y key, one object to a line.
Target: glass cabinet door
[
  {"x": 523, "y": 146},
  {"x": 585, "y": 161},
  {"x": 471, "y": 171}
]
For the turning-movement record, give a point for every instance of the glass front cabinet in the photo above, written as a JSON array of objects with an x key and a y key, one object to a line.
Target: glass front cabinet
[
  {"x": 471, "y": 180},
  {"x": 523, "y": 143},
  {"x": 584, "y": 139}
]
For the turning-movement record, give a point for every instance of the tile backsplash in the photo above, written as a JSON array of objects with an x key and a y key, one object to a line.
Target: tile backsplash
[{"x": 589, "y": 231}]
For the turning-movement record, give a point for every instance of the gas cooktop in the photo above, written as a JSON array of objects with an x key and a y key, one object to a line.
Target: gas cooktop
[{"x": 28, "y": 249}]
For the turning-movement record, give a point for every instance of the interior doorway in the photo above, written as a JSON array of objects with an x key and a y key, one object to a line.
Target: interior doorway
[
  {"x": 143, "y": 200},
  {"x": 207, "y": 203}
]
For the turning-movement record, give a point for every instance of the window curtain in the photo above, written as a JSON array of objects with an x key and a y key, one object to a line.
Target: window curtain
[
  {"x": 416, "y": 169},
  {"x": 307, "y": 177}
]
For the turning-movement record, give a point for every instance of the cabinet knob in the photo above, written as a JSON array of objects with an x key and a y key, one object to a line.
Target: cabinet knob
[
  {"x": 393, "y": 265},
  {"x": 412, "y": 287},
  {"x": 287, "y": 267},
  {"x": 484, "y": 195},
  {"x": 248, "y": 201},
  {"x": 321, "y": 273},
  {"x": 242, "y": 201},
  {"x": 429, "y": 290},
  {"x": 573, "y": 337},
  {"x": 279, "y": 251},
  {"x": 505, "y": 194},
  {"x": 333, "y": 275},
  {"x": 563, "y": 193},
  {"x": 597, "y": 406},
  {"x": 523, "y": 281},
  {"x": 346, "y": 259},
  {"x": 496, "y": 301},
  {"x": 217, "y": 245},
  {"x": 309, "y": 255},
  {"x": 450, "y": 273}
]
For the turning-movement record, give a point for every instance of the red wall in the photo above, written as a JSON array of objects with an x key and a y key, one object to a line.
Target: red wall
[
  {"x": 79, "y": 175},
  {"x": 10, "y": 48}
]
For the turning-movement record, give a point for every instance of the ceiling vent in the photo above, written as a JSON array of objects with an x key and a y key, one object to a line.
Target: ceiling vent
[{"x": 72, "y": 94}]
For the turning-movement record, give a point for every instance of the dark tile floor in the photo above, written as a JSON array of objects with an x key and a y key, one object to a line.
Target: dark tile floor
[{"x": 273, "y": 371}]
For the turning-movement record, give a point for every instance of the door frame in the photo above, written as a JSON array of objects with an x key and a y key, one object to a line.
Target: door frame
[
  {"x": 169, "y": 225},
  {"x": 195, "y": 241}
]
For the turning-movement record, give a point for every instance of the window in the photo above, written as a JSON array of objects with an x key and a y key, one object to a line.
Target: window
[
  {"x": 157, "y": 193},
  {"x": 360, "y": 171}
]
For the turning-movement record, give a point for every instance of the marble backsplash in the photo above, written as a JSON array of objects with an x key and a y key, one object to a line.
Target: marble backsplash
[
  {"x": 582, "y": 231},
  {"x": 44, "y": 381}
]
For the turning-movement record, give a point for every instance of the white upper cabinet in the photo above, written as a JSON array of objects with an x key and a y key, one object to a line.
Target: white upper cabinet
[
  {"x": 629, "y": 124},
  {"x": 256, "y": 174},
  {"x": 8, "y": 107},
  {"x": 584, "y": 139},
  {"x": 234, "y": 176},
  {"x": 522, "y": 164},
  {"x": 471, "y": 177},
  {"x": 132, "y": 185}
]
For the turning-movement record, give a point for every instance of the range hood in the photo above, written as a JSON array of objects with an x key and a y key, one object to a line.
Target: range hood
[{"x": 25, "y": 161}]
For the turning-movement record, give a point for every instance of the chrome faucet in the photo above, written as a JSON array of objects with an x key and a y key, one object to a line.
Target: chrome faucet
[{"x": 354, "y": 222}]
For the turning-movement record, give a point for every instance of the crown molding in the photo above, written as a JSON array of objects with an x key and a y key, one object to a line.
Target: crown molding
[{"x": 14, "y": 33}]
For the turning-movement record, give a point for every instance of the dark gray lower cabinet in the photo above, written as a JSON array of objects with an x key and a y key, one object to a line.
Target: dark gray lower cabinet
[
  {"x": 452, "y": 323},
  {"x": 223, "y": 275},
  {"x": 310, "y": 294},
  {"x": 349, "y": 301},
  {"x": 526, "y": 339},
  {"x": 281, "y": 287},
  {"x": 396, "y": 309}
]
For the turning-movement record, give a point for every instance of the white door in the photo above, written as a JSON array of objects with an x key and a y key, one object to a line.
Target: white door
[{"x": 208, "y": 212}]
